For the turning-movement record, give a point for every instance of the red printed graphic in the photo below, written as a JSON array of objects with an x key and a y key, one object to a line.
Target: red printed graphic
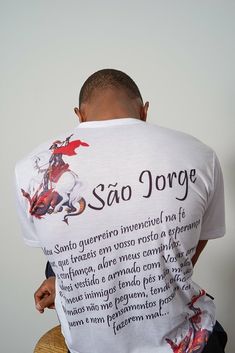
[
  {"x": 59, "y": 187},
  {"x": 69, "y": 149},
  {"x": 196, "y": 338}
]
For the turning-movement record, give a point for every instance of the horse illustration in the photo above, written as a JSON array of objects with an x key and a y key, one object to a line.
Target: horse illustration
[
  {"x": 56, "y": 188},
  {"x": 64, "y": 193}
]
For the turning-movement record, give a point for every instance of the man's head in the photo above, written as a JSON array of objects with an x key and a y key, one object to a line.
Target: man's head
[{"x": 110, "y": 94}]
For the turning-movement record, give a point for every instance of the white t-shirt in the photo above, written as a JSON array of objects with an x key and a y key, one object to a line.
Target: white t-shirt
[{"x": 118, "y": 207}]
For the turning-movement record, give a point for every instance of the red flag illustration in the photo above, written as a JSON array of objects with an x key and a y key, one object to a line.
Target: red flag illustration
[{"x": 69, "y": 149}]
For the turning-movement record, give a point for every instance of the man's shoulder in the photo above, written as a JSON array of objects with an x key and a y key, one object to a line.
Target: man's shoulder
[{"x": 179, "y": 139}]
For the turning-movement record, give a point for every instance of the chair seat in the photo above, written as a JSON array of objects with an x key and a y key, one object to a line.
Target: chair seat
[{"x": 52, "y": 341}]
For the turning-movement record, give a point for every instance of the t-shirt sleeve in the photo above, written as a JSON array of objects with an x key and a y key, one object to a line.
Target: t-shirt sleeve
[
  {"x": 26, "y": 222},
  {"x": 213, "y": 223}
]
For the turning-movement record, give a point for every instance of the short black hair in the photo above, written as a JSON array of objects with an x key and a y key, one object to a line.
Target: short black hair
[{"x": 108, "y": 78}]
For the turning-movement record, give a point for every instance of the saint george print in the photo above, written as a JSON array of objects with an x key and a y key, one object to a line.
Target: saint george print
[{"x": 46, "y": 193}]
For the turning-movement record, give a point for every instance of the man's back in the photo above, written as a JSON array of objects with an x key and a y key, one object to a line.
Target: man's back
[{"x": 119, "y": 207}]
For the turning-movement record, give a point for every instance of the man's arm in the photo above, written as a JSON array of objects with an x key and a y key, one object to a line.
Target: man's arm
[
  {"x": 45, "y": 295},
  {"x": 201, "y": 245}
]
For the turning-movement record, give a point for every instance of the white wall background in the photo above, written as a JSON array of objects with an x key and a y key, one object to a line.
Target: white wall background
[{"x": 180, "y": 53}]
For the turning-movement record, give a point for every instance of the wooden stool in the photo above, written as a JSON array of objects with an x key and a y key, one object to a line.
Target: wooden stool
[{"x": 52, "y": 342}]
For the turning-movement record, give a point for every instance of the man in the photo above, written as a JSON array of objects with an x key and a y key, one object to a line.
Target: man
[{"x": 123, "y": 225}]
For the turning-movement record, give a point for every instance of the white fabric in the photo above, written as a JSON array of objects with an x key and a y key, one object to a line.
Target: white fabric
[{"x": 146, "y": 196}]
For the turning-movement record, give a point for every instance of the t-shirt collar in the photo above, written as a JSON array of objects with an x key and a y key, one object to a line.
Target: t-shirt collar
[{"x": 110, "y": 122}]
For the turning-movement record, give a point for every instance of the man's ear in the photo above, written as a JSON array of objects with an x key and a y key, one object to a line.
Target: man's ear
[
  {"x": 79, "y": 114},
  {"x": 144, "y": 111}
]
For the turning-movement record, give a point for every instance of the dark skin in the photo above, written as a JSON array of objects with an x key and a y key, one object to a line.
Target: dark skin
[
  {"x": 201, "y": 245},
  {"x": 111, "y": 103},
  {"x": 44, "y": 296}
]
